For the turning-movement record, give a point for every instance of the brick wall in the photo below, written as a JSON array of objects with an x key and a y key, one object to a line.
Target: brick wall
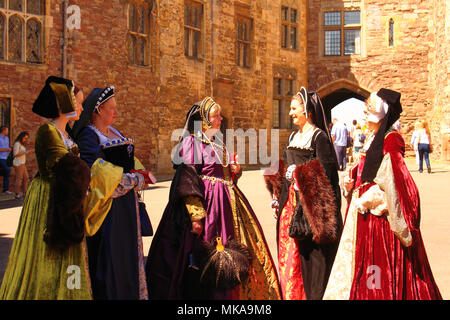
[
  {"x": 22, "y": 82},
  {"x": 245, "y": 94},
  {"x": 153, "y": 100},
  {"x": 440, "y": 83},
  {"x": 405, "y": 67}
]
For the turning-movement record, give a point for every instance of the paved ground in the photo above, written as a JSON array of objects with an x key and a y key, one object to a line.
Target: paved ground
[{"x": 435, "y": 223}]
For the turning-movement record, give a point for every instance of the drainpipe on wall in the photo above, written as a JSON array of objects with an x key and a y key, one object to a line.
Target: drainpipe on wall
[
  {"x": 64, "y": 40},
  {"x": 212, "y": 48}
]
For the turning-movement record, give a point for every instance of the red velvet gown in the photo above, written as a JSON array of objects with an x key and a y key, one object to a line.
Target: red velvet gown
[
  {"x": 381, "y": 267},
  {"x": 289, "y": 259}
]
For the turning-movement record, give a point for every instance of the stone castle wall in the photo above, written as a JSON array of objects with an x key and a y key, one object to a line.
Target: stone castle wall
[
  {"x": 153, "y": 99},
  {"x": 413, "y": 66}
]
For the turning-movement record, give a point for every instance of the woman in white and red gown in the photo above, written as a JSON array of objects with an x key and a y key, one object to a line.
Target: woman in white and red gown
[{"x": 381, "y": 254}]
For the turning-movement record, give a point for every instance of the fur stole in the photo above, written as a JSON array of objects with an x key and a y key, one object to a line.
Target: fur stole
[
  {"x": 65, "y": 214},
  {"x": 274, "y": 177},
  {"x": 317, "y": 200}
]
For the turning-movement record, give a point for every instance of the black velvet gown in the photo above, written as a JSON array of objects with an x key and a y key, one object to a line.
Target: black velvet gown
[{"x": 316, "y": 259}]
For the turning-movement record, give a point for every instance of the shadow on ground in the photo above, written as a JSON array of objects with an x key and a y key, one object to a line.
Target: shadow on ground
[
  {"x": 5, "y": 248},
  {"x": 10, "y": 203}
]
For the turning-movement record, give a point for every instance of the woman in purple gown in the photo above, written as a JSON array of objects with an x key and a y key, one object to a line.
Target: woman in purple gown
[{"x": 205, "y": 203}]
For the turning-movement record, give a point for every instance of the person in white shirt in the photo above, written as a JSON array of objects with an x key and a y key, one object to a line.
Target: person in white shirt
[
  {"x": 423, "y": 142},
  {"x": 20, "y": 153},
  {"x": 414, "y": 141}
]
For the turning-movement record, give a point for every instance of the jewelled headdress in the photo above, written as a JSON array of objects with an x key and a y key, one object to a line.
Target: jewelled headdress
[
  {"x": 205, "y": 107},
  {"x": 95, "y": 99},
  {"x": 107, "y": 94}
]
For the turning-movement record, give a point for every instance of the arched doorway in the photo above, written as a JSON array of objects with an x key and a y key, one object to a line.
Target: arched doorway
[{"x": 338, "y": 91}]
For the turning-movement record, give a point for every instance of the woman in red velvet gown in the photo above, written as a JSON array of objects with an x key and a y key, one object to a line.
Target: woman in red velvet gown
[{"x": 381, "y": 253}]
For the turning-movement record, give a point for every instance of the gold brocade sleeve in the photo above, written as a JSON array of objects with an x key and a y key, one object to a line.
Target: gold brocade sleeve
[
  {"x": 195, "y": 208},
  {"x": 385, "y": 179},
  {"x": 105, "y": 177}
]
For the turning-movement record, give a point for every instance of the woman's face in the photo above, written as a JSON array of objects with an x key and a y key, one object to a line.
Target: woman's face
[
  {"x": 297, "y": 113},
  {"x": 108, "y": 112},
  {"x": 372, "y": 126},
  {"x": 215, "y": 118},
  {"x": 24, "y": 139},
  {"x": 79, "y": 107}
]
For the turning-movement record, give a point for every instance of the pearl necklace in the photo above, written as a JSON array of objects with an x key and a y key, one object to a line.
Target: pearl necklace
[
  {"x": 68, "y": 142},
  {"x": 225, "y": 155}
]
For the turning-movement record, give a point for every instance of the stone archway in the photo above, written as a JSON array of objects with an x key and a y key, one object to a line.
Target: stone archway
[{"x": 340, "y": 90}]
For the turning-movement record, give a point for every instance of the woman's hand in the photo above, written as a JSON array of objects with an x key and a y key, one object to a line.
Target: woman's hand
[
  {"x": 234, "y": 165},
  {"x": 348, "y": 184},
  {"x": 197, "y": 227},
  {"x": 235, "y": 168},
  {"x": 275, "y": 206},
  {"x": 275, "y": 213},
  {"x": 149, "y": 178}
]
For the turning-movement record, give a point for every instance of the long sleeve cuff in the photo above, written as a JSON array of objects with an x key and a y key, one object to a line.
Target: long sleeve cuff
[
  {"x": 128, "y": 182},
  {"x": 195, "y": 208}
]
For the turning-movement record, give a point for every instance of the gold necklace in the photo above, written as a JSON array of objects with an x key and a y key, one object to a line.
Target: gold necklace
[{"x": 225, "y": 154}]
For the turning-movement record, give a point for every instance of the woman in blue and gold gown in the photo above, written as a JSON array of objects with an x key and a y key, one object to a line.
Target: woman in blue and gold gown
[{"x": 116, "y": 259}]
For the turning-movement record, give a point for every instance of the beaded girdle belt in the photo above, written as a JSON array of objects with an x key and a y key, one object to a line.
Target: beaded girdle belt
[{"x": 214, "y": 179}]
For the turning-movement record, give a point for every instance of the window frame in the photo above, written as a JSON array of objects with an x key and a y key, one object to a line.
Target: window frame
[
  {"x": 193, "y": 30},
  {"x": 283, "y": 90},
  {"x": 135, "y": 34},
  {"x": 391, "y": 33},
  {"x": 288, "y": 24},
  {"x": 244, "y": 20},
  {"x": 6, "y": 114},
  {"x": 25, "y": 17},
  {"x": 342, "y": 27}
]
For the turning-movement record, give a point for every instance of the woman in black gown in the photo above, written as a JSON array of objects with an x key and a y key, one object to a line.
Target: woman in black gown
[{"x": 305, "y": 261}]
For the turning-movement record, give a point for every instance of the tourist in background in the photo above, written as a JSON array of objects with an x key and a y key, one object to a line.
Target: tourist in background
[
  {"x": 358, "y": 141},
  {"x": 4, "y": 151},
  {"x": 20, "y": 153},
  {"x": 339, "y": 135},
  {"x": 424, "y": 145},
  {"x": 415, "y": 141}
]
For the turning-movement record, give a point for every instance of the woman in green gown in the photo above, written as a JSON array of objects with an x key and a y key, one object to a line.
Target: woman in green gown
[{"x": 48, "y": 257}]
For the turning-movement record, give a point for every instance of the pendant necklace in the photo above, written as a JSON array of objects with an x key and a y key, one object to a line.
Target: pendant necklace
[{"x": 225, "y": 154}]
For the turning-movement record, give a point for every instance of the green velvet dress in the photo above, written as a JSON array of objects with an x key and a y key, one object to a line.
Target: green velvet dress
[{"x": 35, "y": 271}]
